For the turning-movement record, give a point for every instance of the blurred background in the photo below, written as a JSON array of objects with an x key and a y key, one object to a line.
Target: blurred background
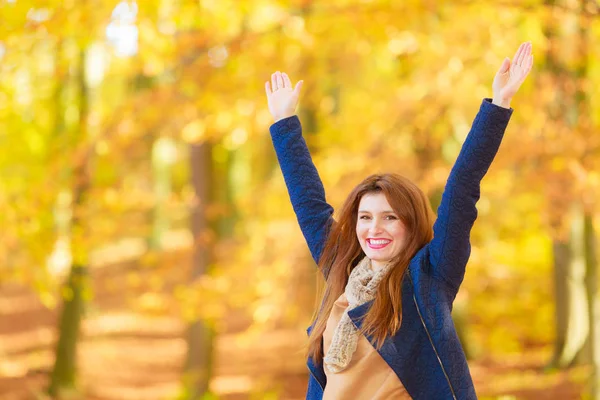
[{"x": 148, "y": 248}]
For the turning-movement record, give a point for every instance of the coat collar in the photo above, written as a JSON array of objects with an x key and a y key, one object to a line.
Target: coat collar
[
  {"x": 357, "y": 315},
  {"x": 388, "y": 351}
]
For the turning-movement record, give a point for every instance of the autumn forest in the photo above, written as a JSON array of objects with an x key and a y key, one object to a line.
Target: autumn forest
[{"x": 148, "y": 248}]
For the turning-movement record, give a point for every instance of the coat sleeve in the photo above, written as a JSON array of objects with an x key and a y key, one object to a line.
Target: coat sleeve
[
  {"x": 303, "y": 183},
  {"x": 450, "y": 248}
]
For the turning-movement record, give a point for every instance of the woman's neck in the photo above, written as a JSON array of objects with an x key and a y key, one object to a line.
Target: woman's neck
[{"x": 377, "y": 265}]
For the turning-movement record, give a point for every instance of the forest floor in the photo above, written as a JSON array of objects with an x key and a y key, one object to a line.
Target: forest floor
[{"x": 129, "y": 355}]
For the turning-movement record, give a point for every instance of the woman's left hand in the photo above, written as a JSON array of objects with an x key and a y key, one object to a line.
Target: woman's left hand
[{"x": 511, "y": 75}]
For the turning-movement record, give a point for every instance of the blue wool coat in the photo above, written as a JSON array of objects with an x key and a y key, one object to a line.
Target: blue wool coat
[{"x": 425, "y": 353}]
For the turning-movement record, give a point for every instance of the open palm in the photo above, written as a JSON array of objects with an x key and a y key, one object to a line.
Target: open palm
[
  {"x": 281, "y": 96},
  {"x": 511, "y": 75}
]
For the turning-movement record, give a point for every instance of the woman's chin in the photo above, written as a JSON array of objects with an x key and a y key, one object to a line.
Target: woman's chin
[
  {"x": 378, "y": 258},
  {"x": 377, "y": 255}
]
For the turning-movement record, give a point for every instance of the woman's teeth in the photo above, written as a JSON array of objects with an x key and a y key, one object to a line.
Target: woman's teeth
[{"x": 381, "y": 241}]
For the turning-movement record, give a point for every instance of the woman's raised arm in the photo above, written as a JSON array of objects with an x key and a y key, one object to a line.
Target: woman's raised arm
[
  {"x": 299, "y": 172},
  {"x": 450, "y": 247}
]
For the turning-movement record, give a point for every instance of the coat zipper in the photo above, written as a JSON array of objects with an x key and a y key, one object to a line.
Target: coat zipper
[{"x": 433, "y": 346}]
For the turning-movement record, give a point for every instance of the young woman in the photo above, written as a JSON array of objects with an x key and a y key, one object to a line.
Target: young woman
[{"x": 384, "y": 329}]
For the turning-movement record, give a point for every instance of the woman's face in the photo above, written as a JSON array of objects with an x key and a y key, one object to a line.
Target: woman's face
[{"x": 379, "y": 230}]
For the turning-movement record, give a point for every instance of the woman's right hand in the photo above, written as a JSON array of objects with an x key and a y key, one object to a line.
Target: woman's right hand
[
  {"x": 282, "y": 98},
  {"x": 510, "y": 76}
]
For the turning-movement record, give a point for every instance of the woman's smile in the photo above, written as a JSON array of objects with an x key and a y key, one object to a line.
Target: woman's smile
[{"x": 378, "y": 244}]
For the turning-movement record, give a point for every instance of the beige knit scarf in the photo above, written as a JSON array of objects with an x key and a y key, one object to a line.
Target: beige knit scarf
[{"x": 361, "y": 287}]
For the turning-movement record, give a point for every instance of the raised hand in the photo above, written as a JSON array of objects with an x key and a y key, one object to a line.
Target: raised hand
[
  {"x": 282, "y": 98},
  {"x": 511, "y": 75}
]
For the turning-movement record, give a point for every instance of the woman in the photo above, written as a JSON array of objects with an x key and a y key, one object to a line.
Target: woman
[{"x": 384, "y": 329}]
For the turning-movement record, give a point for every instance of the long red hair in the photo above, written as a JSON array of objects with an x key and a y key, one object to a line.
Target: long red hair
[{"x": 342, "y": 252}]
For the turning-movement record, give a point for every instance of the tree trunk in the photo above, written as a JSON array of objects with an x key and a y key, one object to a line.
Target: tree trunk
[
  {"x": 64, "y": 373},
  {"x": 577, "y": 323},
  {"x": 163, "y": 154},
  {"x": 593, "y": 308},
  {"x": 200, "y": 336},
  {"x": 574, "y": 290},
  {"x": 561, "y": 251},
  {"x": 572, "y": 325}
]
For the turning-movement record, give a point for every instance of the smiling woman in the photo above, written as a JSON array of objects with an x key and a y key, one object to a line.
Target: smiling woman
[
  {"x": 384, "y": 328},
  {"x": 381, "y": 228}
]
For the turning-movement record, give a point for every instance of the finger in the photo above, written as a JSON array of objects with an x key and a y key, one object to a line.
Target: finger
[
  {"x": 286, "y": 81},
  {"x": 529, "y": 65},
  {"x": 279, "y": 80},
  {"x": 518, "y": 53},
  {"x": 505, "y": 66},
  {"x": 274, "y": 81},
  {"x": 526, "y": 69},
  {"x": 298, "y": 88},
  {"x": 268, "y": 89},
  {"x": 524, "y": 53},
  {"x": 530, "y": 62}
]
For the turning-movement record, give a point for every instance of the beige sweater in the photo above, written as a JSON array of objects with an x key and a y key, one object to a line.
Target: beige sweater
[{"x": 367, "y": 377}]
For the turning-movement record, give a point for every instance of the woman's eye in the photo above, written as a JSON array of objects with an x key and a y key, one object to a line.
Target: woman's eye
[
  {"x": 391, "y": 217},
  {"x": 364, "y": 217}
]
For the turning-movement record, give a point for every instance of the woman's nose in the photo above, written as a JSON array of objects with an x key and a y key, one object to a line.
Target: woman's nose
[{"x": 375, "y": 226}]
